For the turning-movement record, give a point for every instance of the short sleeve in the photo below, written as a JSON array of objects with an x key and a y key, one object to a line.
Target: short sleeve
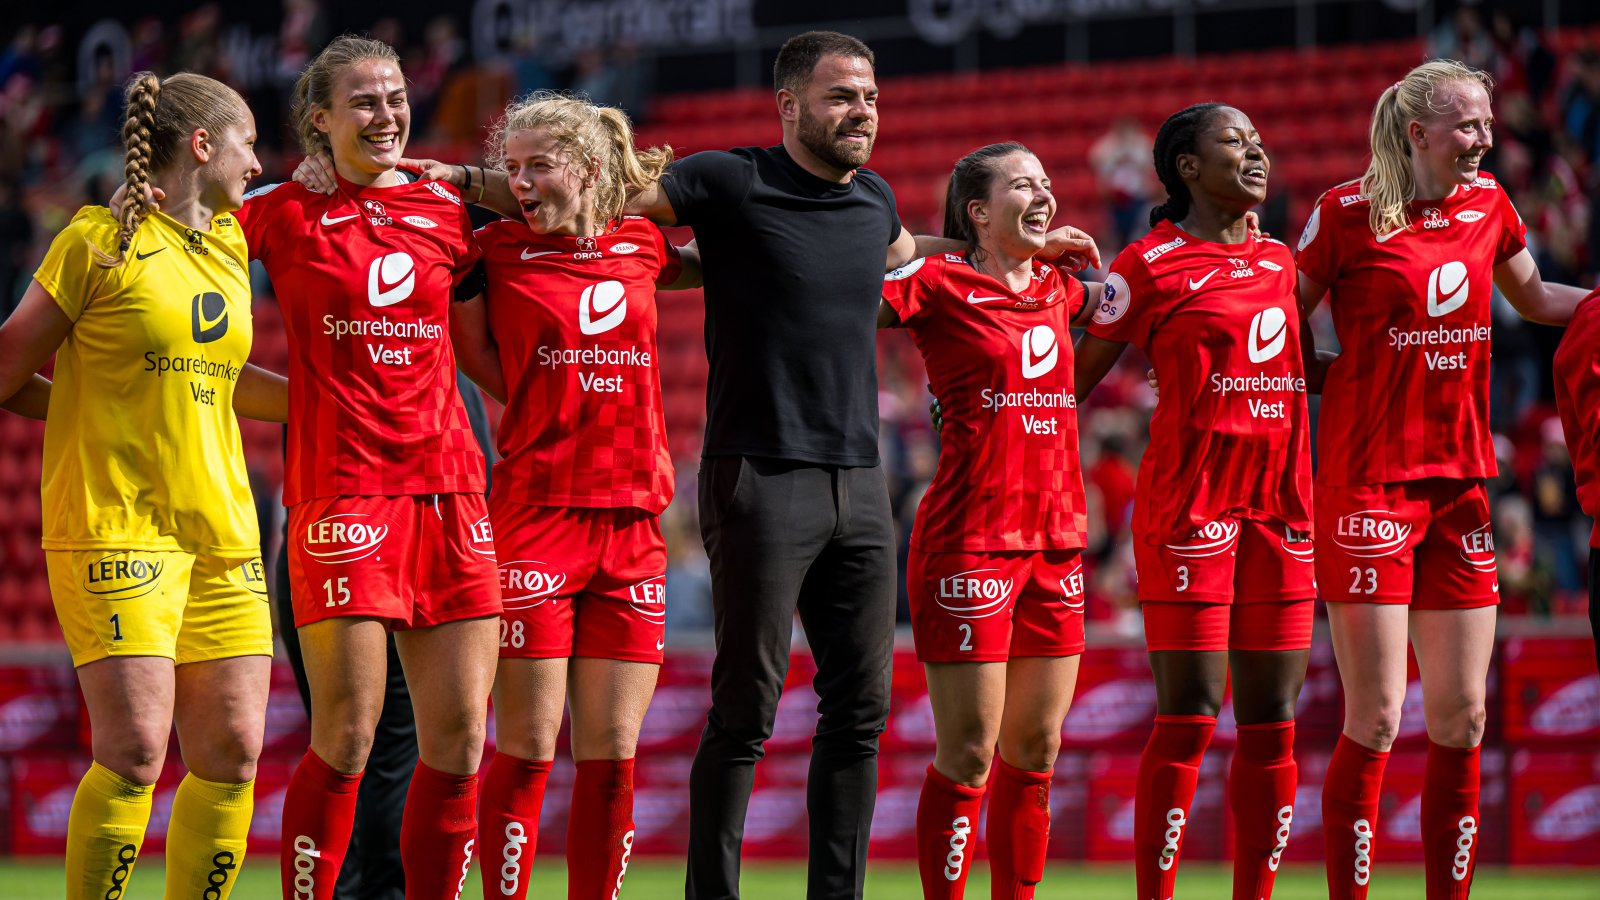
[
  {"x": 69, "y": 271},
  {"x": 253, "y": 217},
  {"x": 702, "y": 183},
  {"x": 671, "y": 259},
  {"x": 1513, "y": 237},
  {"x": 906, "y": 289},
  {"x": 1316, "y": 256},
  {"x": 468, "y": 252},
  {"x": 1076, "y": 294},
  {"x": 1127, "y": 303},
  {"x": 895, "y": 226}
]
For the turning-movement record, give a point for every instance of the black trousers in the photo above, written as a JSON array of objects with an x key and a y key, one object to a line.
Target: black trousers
[
  {"x": 372, "y": 868},
  {"x": 1594, "y": 602},
  {"x": 786, "y": 537}
]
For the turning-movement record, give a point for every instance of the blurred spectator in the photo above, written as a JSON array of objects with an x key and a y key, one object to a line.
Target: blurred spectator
[
  {"x": 1121, "y": 159},
  {"x": 1580, "y": 105},
  {"x": 16, "y": 245}
]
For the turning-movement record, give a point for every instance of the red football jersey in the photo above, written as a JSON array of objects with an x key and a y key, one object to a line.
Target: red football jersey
[
  {"x": 1408, "y": 396},
  {"x": 1577, "y": 371},
  {"x": 1000, "y": 363},
  {"x": 364, "y": 279},
  {"x": 1221, "y": 325},
  {"x": 575, "y": 322}
]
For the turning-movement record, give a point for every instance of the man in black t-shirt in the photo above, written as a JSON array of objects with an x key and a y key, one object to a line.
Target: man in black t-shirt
[{"x": 794, "y": 509}]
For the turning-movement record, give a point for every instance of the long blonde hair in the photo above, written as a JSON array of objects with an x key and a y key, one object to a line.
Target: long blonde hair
[
  {"x": 1389, "y": 184},
  {"x": 587, "y": 132},
  {"x": 159, "y": 119}
]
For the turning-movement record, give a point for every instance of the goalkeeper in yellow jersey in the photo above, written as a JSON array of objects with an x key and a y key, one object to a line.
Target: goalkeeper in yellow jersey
[{"x": 149, "y": 528}]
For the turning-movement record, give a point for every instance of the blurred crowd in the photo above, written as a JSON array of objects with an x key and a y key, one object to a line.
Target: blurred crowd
[{"x": 59, "y": 149}]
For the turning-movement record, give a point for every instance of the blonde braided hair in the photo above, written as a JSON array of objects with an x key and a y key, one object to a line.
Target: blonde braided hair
[{"x": 160, "y": 118}]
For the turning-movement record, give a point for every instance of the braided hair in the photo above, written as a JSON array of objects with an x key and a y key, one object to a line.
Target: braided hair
[
  {"x": 1177, "y": 136},
  {"x": 970, "y": 180},
  {"x": 160, "y": 118}
]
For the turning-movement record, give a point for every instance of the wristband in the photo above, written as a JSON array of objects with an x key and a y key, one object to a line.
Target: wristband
[
  {"x": 466, "y": 177},
  {"x": 483, "y": 181}
]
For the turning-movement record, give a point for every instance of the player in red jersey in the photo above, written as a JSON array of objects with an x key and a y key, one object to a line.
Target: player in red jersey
[
  {"x": 564, "y": 334},
  {"x": 994, "y": 576},
  {"x": 1577, "y": 371},
  {"x": 1411, "y": 254},
  {"x": 1222, "y": 517},
  {"x": 388, "y": 529}
]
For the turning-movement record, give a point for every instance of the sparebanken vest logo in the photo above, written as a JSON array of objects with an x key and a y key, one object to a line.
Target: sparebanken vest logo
[
  {"x": 1040, "y": 349},
  {"x": 1447, "y": 289},
  {"x": 390, "y": 279},
  {"x": 1268, "y": 332},
  {"x": 602, "y": 307},
  {"x": 208, "y": 317}
]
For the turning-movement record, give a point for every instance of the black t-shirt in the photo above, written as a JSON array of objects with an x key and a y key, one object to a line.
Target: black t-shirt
[{"x": 794, "y": 270}]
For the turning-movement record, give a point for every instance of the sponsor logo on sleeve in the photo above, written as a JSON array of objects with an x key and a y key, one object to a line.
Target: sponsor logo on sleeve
[
  {"x": 1448, "y": 288},
  {"x": 443, "y": 192},
  {"x": 905, "y": 271},
  {"x": 1114, "y": 300},
  {"x": 1313, "y": 225},
  {"x": 208, "y": 317},
  {"x": 1158, "y": 251},
  {"x": 1040, "y": 350},
  {"x": 602, "y": 307},
  {"x": 390, "y": 279}
]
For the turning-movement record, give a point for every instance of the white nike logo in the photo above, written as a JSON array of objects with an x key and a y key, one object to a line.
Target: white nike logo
[
  {"x": 1384, "y": 237},
  {"x": 527, "y": 255},
  {"x": 1196, "y": 284},
  {"x": 328, "y": 221},
  {"x": 973, "y": 298},
  {"x": 661, "y": 644}
]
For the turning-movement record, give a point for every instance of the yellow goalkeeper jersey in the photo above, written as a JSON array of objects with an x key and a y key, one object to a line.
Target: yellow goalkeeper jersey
[{"x": 141, "y": 447}]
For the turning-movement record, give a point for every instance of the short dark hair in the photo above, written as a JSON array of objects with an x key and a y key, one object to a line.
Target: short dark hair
[{"x": 800, "y": 54}]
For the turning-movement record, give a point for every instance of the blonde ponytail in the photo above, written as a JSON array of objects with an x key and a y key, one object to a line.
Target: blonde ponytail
[
  {"x": 590, "y": 134},
  {"x": 143, "y": 95},
  {"x": 1389, "y": 183}
]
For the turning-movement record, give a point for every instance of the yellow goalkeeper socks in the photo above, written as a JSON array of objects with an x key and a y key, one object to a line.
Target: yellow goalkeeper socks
[
  {"x": 206, "y": 838},
  {"x": 104, "y": 833}
]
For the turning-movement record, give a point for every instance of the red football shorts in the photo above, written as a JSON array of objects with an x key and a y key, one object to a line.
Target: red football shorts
[
  {"x": 1426, "y": 542},
  {"x": 413, "y": 561},
  {"x": 992, "y": 606},
  {"x": 1235, "y": 584},
  {"x": 581, "y": 582}
]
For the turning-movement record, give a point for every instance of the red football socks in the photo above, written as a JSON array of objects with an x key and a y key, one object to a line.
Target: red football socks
[
  {"x": 1169, "y": 770},
  {"x": 947, "y": 835},
  {"x": 1018, "y": 830},
  {"x": 436, "y": 832},
  {"x": 319, "y": 810},
  {"x": 1350, "y": 817},
  {"x": 508, "y": 823},
  {"x": 1261, "y": 793},
  {"x": 1450, "y": 820},
  {"x": 600, "y": 829}
]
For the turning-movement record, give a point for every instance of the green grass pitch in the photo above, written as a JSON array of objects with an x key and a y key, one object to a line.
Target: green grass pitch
[{"x": 663, "y": 880}]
